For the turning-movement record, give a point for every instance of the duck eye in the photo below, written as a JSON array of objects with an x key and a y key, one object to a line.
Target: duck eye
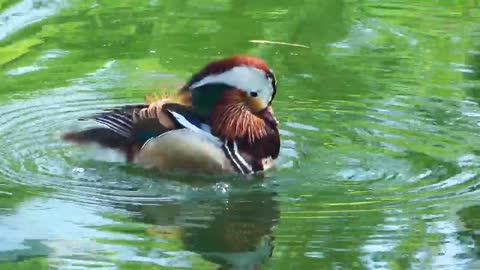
[{"x": 254, "y": 94}]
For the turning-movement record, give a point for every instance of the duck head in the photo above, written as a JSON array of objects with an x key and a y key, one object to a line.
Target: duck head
[{"x": 234, "y": 95}]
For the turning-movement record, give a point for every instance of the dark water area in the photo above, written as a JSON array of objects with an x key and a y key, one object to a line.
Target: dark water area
[{"x": 379, "y": 110}]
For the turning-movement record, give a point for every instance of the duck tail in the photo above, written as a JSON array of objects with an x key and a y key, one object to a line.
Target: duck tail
[{"x": 103, "y": 136}]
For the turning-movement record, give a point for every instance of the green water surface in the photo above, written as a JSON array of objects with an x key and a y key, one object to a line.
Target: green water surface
[{"x": 379, "y": 104}]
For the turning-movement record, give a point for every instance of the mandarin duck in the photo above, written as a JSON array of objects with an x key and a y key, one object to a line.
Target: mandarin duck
[{"x": 220, "y": 121}]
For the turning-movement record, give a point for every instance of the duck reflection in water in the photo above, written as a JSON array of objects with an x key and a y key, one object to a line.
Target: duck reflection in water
[
  {"x": 471, "y": 222},
  {"x": 233, "y": 231}
]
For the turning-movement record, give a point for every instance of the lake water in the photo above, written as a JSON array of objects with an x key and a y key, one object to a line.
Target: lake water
[{"x": 379, "y": 104}]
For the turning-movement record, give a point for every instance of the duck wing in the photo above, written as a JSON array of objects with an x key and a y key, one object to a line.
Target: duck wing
[
  {"x": 116, "y": 131},
  {"x": 128, "y": 127}
]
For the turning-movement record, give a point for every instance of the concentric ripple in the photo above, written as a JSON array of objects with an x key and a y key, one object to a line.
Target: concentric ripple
[
  {"x": 405, "y": 145},
  {"x": 400, "y": 159},
  {"x": 32, "y": 152},
  {"x": 392, "y": 136},
  {"x": 397, "y": 168}
]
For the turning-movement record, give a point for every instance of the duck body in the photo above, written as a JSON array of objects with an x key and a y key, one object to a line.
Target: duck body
[{"x": 221, "y": 121}]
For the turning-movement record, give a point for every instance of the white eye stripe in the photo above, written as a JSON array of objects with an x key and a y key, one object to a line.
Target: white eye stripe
[
  {"x": 246, "y": 78},
  {"x": 241, "y": 77}
]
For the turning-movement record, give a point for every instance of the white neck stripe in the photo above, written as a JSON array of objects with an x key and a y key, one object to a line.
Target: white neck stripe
[{"x": 184, "y": 122}]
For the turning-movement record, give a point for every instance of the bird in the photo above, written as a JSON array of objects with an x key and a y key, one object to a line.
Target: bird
[{"x": 221, "y": 121}]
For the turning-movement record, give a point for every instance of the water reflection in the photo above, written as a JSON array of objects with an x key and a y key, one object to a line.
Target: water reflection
[
  {"x": 471, "y": 221},
  {"x": 232, "y": 231}
]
